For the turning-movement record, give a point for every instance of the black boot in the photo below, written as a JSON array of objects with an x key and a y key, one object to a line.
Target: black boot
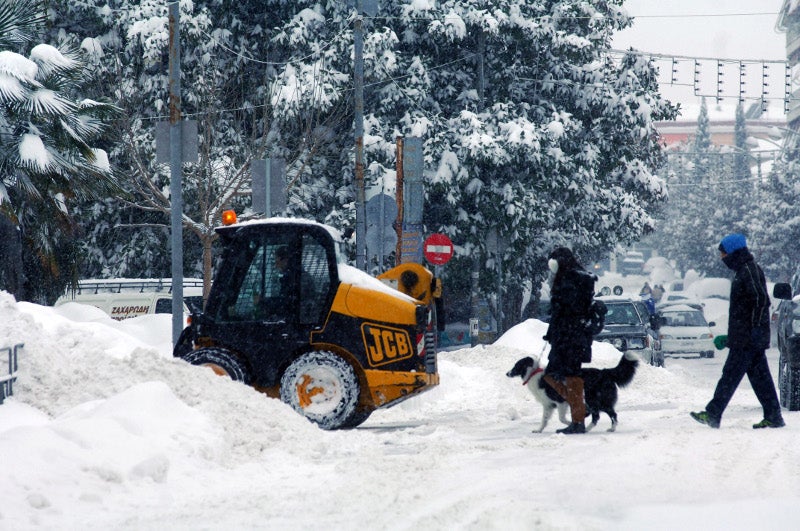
[{"x": 575, "y": 427}]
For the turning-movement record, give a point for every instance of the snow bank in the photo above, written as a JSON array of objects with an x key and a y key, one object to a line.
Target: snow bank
[{"x": 106, "y": 430}]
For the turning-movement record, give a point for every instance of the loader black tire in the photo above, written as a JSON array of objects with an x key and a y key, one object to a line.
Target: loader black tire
[
  {"x": 222, "y": 362},
  {"x": 357, "y": 419},
  {"x": 184, "y": 345},
  {"x": 324, "y": 388}
]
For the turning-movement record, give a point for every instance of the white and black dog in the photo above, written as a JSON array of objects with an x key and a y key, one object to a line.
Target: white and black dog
[{"x": 599, "y": 387}]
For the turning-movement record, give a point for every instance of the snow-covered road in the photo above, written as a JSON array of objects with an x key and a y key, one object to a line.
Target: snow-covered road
[{"x": 107, "y": 430}]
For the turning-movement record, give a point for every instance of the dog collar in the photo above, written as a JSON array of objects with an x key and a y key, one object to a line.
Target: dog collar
[{"x": 534, "y": 373}]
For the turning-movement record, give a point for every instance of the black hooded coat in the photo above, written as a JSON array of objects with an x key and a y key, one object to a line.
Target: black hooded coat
[
  {"x": 748, "y": 316},
  {"x": 570, "y": 299}
]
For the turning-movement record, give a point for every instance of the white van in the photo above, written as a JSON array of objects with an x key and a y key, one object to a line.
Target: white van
[{"x": 122, "y": 298}]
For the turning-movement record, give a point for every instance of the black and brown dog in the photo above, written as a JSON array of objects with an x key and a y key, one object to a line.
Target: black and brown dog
[{"x": 599, "y": 385}]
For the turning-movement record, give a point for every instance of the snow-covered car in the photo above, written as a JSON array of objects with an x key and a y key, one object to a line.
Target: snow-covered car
[
  {"x": 711, "y": 288},
  {"x": 632, "y": 263},
  {"x": 629, "y": 326},
  {"x": 675, "y": 301},
  {"x": 658, "y": 266},
  {"x": 684, "y": 330},
  {"x": 675, "y": 296}
]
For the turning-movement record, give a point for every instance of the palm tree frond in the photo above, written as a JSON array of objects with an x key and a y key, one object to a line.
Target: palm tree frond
[
  {"x": 11, "y": 90},
  {"x": 48, "y": 102},
  {"x": 19, "y": 20},
  {"x": 51, "y": 61}
]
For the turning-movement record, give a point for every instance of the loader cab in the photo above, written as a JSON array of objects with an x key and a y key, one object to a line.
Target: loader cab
[
  {"x": 283, "y": 274},
  {"x": 275, "y": 286}
]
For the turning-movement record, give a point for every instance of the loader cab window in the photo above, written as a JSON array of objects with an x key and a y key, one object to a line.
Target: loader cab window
[
  {"x": 315, "y": 280},
  {"x": 280, "y": 279},
  {"x": 266, "y": 292}
]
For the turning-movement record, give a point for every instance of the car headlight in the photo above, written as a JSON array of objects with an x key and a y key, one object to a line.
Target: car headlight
[
  {"x": 617, "y": 342},
  {"x": 636, "y": 342},
  {"x": 707, "y": 336}
]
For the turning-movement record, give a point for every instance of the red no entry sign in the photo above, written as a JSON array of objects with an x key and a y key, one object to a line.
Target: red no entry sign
[{"x": 438, "y": 249}]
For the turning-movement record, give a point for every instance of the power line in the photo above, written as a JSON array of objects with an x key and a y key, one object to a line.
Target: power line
[{"x": 283, "y": 63}]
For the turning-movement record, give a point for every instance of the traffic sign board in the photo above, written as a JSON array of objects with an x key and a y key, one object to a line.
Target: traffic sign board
[{"x": 438, "y": 249}]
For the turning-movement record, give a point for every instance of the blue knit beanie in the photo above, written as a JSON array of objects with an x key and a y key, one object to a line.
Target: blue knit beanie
[{"x": 732, "y": 242}]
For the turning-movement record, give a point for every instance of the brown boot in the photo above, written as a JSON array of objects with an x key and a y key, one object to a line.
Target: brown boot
[
  {"x": 557, "y": 385},
  {"x": 576, "y": 405}
]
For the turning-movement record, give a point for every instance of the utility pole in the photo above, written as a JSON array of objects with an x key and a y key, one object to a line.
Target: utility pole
[
  {"x": 175, "y": 168},
  {"x": 476, "y": 257},
  {"x": 400, "y": 206},
  {"x": 358, "y": 86}
]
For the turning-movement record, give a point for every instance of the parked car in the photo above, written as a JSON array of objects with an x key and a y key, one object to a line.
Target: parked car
[
  {"x": 629, "y": 326},
  {"x": 788, "y": 333},
  {"x": 632, "y": 263},
  {"x": 684, "y": 330},
  {"x": 123, "y": 298}
]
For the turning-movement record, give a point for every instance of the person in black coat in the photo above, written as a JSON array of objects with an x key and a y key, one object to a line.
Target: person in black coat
[
  {"x": 568, "y": 334},
  {"x": 748, "y": 338}
]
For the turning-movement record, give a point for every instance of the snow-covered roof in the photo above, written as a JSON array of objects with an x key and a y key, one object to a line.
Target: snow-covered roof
[
  {"x": 335, "y": 233},
  {"x": 678, "y": 308}
]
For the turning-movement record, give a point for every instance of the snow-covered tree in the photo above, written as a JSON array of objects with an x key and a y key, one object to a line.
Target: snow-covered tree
[
  {"x": 775, "y": 223},
  {"x": 688, "y": 230},
  {"x": 531, "y": 127},
  {"x": 255, "y": 90},
  {"x": 712, "y": 193},
  {"x": 49, "y": 151}
]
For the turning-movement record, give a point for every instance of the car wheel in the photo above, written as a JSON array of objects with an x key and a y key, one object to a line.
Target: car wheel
[
  {"x": 789, "y": 384},
  {"x": 221, "y": 361},
  {"x": 707, "y": 354},
  {"x": 324, "y": 388}
]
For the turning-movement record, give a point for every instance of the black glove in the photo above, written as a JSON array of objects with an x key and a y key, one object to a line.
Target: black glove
[{"x": 759, "y": 338}]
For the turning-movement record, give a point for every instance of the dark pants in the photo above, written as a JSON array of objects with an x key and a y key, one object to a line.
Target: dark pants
[{"x": 753, "y": 363}]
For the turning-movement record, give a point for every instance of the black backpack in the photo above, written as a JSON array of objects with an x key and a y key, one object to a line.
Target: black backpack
[{"x": 597, "y": 317}]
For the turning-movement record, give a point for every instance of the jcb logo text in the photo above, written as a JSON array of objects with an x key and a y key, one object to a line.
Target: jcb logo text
[{"x": 385, "y": 345}]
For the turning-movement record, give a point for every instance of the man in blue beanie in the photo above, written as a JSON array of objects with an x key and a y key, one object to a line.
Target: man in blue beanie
[{"x": 748, "y": 338}]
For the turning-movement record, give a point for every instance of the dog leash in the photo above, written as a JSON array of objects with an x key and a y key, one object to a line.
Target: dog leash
[
  {"x": 543, "y": 349},
  {"x": 537, "y": 371}
]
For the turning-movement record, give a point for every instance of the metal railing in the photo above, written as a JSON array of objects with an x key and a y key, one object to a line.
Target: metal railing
[
  {"x": 7, "y": 381},
  {"x": 119, "y": 285}
]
